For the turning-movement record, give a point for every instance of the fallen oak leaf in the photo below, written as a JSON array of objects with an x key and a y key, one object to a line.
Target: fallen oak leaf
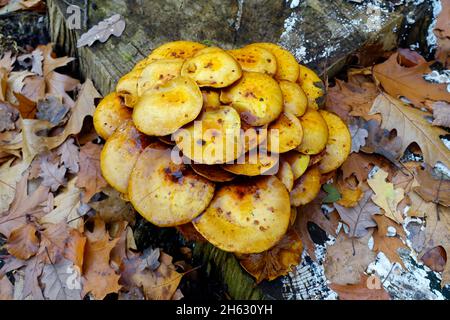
[
  {"x": 407, "y": 81},
  {"x": 387, "y": 239},
  {"x": 360, "y": 291},
  {"x": 114, "y": 25},
  {"x": 360, "y": 218},
  {"x": 158, "y": 284},
  {"x": 350, "y": 194},
  {"x": 52, "y": 110},
  {"x": 23, "y": 208},
  {"x": 352, "y": 98},
  {"x": 441, "y": 114},
  {"x": 347, "y": 259},
  {"x": 67, "y": 207},
  {"x": 26, "y": 107},
  {"x": 70, "y": 155},
  {"x": 431, "y": 188},
  {"x": 34, "y": 144},
  {"x": 113, "y": 208},
  {"x": 435, "y": 259},
  {"x": 62, "y": 281},
  {"x": 382, "y": 142},
  {"x": 412, "y": 126},
  {"x": 6, "y": 289},
  {"x": 99, "y": 279},
  {"x": 311, "y": 217},
  {"x": 50, "y": 63},
  {"x": 8, "y": 117},
  {"x": 442, "y": 32},
  {"x": 90, "y": 177},
  {"x": 359, "y": 136},
  {"x": 53, "y": 176},
  {"x": 275, "y": 262},
  {"x": 386, "y": 196},
  {"x": 23, "y": 242},
  {"x": 436, "y": 234}
]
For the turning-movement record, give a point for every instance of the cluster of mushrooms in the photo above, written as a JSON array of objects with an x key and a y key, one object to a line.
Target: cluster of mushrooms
[{"x": 175, "y": 145}]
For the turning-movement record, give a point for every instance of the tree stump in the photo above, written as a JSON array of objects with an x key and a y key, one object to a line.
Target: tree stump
[{"x": 321, "y": 34}]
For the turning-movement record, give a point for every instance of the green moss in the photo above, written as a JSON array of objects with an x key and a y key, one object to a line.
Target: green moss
[{"x": 240, "y": 285}]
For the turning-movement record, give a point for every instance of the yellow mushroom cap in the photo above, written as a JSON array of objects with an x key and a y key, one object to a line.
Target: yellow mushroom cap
[
  {"x": 247, "y": 217},
  {"x": 255, "y": 59},
  {"x": 166, "y": 193},
  {"x": 212, "y": 67},
  {"x": 110, "y": 114},
  {"x": 175, "y": 50},
  {"x": 158, "y": 73},
  {"x": 256, "y": 96},
  {"x": 315, "y": 132},
  {"x": 339, "y": 143},
  {"x": 287, "y": 66},
  {"x": 120, "y": 153},
  {"x": 214, "y": 138},
  {"x": 284, "y": 134},
  {"x": 164, "y": 109}
]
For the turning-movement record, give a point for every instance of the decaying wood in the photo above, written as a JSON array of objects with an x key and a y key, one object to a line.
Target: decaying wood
[
  {"x": 322, "y": 34},
  {"x": 20, "y": 29}
]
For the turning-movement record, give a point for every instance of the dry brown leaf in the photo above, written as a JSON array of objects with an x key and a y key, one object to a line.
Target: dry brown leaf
[
  {"x": 359, "y": 218},
  {"x": 99, "y": 278},
  {"x": 311, "y": 215},
  {"x": 407, "y": 81},
  {"x": 347, "y": 259},
  {"x": 412, "y": 126},
  {"x": 6, "y": 289},
  {"x": 437, "y": 234},
  {"x": 67, "y": 207},
  {"x": 34, "y": 144},
  {"x": 382, "y": 142},
  {"x": 114, "y": 25},
  {"x": 386, "y": 196},
  {"x": 387, "y": 244},
  {"x": 26, "y": 107},
  {"x": 431, "y": 188},
  {"x": 360, "y": 291},
  {"x": 70, "y": 155},
  {"x": 189, "y": 233},
  {"x": 158, "y": 279},
  {"x": 23, "y": 242},
  {"x": 435, "y": 259},
  {"x": 34, "y": 88},
  {"x": 53, "y": 176},
  {"x": 23, "y": 207},
  {"x": 442, "y": 32},
  {"x": 350, "y": 195},
  {"x": 441, "y": 114},
  {"x": 275, "y": 262},
  {"x": 359, "y": 136},
  {"x": 358, "y": 165},
  {"x": 61, "y": 281},
  {"x": 59, "y": 241},
  {"x": 58, "y": 85},
  {"x": 90, "y": 177},
  {"x": 8, "y": 117},
  {"x": 113, "y": 208},
  {"x": 51, "y": 63},
  {"x": 353, "y": 98}
]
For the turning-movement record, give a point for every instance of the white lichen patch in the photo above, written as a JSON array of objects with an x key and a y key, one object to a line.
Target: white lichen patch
[
  {"x": 431, "y": 37},
  {"x": 414, "y": 283},
  {"x": 307, "y": 281}
]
